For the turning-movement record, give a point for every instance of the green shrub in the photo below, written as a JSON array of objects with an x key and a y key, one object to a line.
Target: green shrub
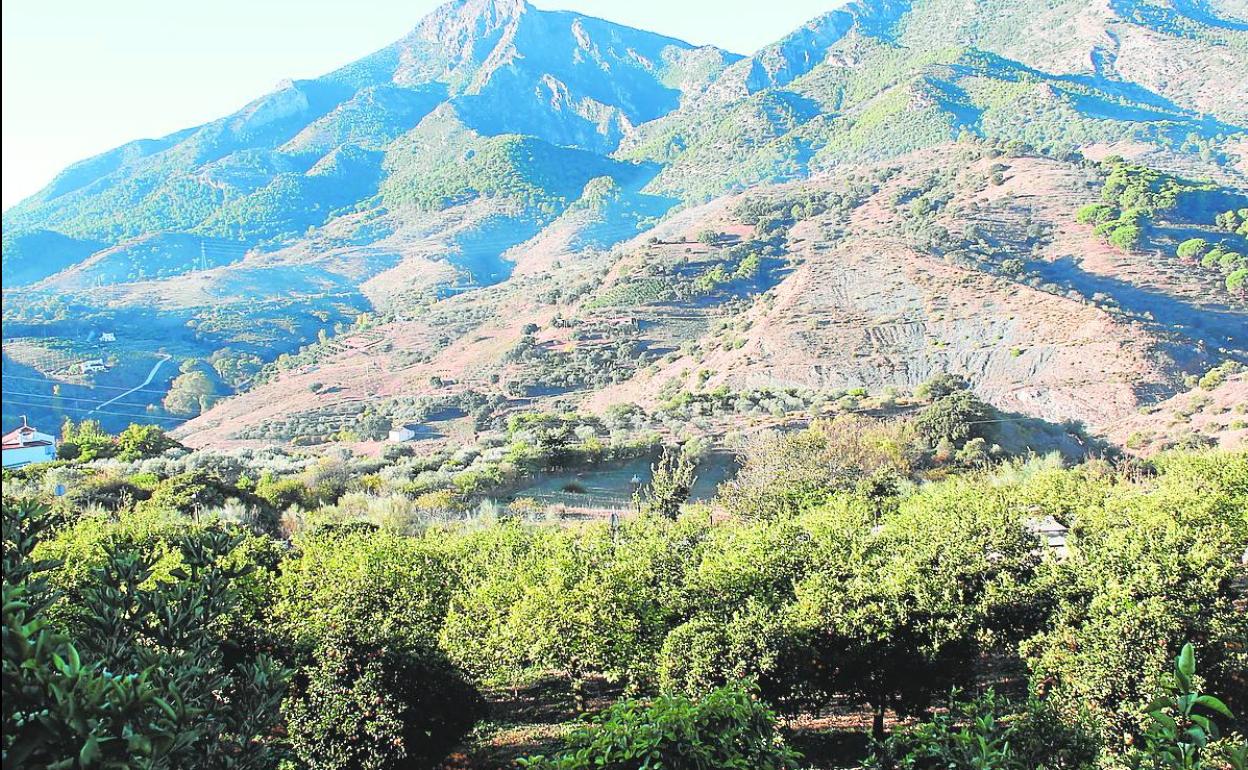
[
  {"x": 671, "y": 480},
  {"x": 967, "y": 735},
  {"x": 283, "y": 493},
  {"x": 587, "y": 602},
  {"x": 1193, "y": 249},
  {"x": 1237, "y": 281},
  {"x": 1149, "y": 567},
  {"x": 109, "y": 492},
  {"x": 357, "y": 706},
  {"x": 144, "y": 680},
  {"x": 1183, "y": 724},
  {"x": 85, "y": 441},
  {"x": 955, "y": 419},
  {"x": 1126, "y": 237},
  {"x": 985, "y": 734},
  {"x": 362, "y": 609},
  {"x": 199, "y": 492},
  {"x": 786, "y": 473},
  {"x": 900, "y": 615},
  {"x": 1096, "y": 213},
  {"x": 729, "y": 728},
  {"x": 757, "y": 645},
  {"x": 141, "y": 441},
  {"x": 940, "y": 386},
  {"x": 373, "y": 587},
  {"x": 1216, "y": 376}
]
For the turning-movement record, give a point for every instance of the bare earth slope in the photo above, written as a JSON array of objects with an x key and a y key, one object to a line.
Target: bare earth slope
[
  {"x": 1216, "y": 416},
  {"x": 865, "y": 296}
]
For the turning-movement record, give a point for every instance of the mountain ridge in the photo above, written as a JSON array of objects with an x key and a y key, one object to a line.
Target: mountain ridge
[{"x": 503, "y": 166}]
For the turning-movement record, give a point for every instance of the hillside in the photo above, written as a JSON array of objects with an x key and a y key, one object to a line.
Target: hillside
[
  {"x": 1212, "y": 414},
  {"x": 897, "y": 189},
  {"x": 860, "y": 293}
]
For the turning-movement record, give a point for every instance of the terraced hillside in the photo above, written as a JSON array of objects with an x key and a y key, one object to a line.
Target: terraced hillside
[{"x": 836, "y": 284}]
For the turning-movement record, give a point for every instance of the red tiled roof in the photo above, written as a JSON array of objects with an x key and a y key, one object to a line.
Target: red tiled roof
[
  {"x": 14, "y": 438},
  {"x": 16, "y": 433}
]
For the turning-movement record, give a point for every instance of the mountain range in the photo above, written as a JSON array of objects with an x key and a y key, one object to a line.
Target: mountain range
[{"x": 563, "y": 211}]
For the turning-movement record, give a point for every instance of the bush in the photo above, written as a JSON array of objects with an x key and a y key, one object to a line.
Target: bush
[
  {"x": 138, "y": 442},
  {"x": 983, "y": 733},
  {"x": 191, "y": 393},
  {"x": 1149, "y": 568},
  {"x": 363, "y": 608},
  {"x": 148, "y": 680},
  {"x": 1218, "y": 375},
  {"x": 373, "y": 587},
  {"x": 786, "y": 473},
  {"x": 940, "y": 386},
  {"x": 1183, "y": 724},
  {"x": 1237, "y": 281},
  {"x": 1127, "y": 237},
  {"x": 199, "y": 492},
  {"x": 85, "y": 442},
  {"x": 955, "y": 419},
  {"x": 1193, "y": 249},
  {"x": 729, "y": 728},
  {"x": 757, "y": 645},
  {"x": 362, "y": 707},
  {"x": 107, "y": 492},
  {"x": 283, "y": 493},
  {"x": 841, "y": 583},
  {"x": 671, "y": 480},
  {"x": 900, "y": 615},
  {"x": 583, "y": 602},
  {"x": 1096, "y": 213}
]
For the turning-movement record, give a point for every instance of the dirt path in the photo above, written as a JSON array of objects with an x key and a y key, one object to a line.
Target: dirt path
[{"x": 150, "y": 376}]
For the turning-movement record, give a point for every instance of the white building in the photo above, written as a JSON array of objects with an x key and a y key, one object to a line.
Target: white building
[
  {"x": 94, "y": 365},
  {"x": 26, "y": 445},
  {"x": 401, "y": 434},
  {"x": 108, "y": 337}
]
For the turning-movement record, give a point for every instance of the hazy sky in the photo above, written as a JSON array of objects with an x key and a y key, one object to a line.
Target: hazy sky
[{"x": 83, "y": 76}]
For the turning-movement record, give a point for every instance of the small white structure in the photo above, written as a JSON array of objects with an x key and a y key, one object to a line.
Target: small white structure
[
  {"x": 26, "y": 445},
  {"x": 1052, "y": 533},
  {"x": 94, "y": 365},
  {"x": 402, "y": 434},
  {"x": 108, "y": 337}
]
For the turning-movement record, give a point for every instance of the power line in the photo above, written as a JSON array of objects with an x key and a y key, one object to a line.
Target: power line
[
  {"x": 75, "y": 385},
  {"x": 54, "y": 395},
  {"x": 111, "y": 414},
  {"x": 92, "y": 411}
]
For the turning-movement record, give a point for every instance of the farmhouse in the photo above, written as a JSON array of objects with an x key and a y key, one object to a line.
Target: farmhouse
[{"x": 26, "y": 445}]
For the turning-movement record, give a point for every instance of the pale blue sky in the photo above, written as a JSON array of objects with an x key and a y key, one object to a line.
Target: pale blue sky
[{"x": 82, "y": 76}]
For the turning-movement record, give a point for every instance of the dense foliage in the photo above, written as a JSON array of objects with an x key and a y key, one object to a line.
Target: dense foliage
[
  {"x": 829, "y": 579},
  {"x": 141, "y": 674},
  {"x": 727, "y": 729}
]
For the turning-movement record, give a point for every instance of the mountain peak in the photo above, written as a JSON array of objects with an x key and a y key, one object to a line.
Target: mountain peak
[{"x": 460, "y": 19}]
